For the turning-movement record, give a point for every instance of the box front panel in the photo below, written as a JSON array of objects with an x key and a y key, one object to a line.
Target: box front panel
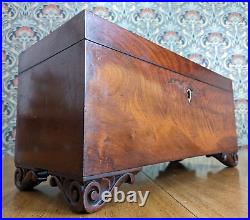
[{"x": 138, "y": 114}]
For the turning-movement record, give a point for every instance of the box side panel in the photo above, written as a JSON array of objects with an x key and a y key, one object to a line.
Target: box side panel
[
  {"x": 106, "y": 33},
  {"x": 63, "y": 37},
  {"x": 138, "y": 114},
  {"x": 50, "y": 114}
]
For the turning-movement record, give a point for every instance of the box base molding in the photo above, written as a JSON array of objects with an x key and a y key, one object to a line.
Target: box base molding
[{"x": 85, "y": 196}]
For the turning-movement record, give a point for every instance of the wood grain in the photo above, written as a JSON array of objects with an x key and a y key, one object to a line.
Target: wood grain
[
  {"x": 138, "y": 114},
  {"x": 50, "y": 114},
  {"x": 95, "y": 99},
  {"x": 108, "y": 34},
  {"x": 197, "y": 187},
  {"x": 86, "y": 25},
  {"x": 63, "y": 37}
]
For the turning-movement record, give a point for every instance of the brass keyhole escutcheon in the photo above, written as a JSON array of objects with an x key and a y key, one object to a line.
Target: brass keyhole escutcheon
[{"x": 189, "y": 95}]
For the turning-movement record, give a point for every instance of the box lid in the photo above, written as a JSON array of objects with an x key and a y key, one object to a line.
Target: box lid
[{"x": 87, "y": 26}]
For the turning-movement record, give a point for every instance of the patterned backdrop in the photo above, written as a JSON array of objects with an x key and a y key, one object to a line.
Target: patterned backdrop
[{"x": 211, "y": 34}]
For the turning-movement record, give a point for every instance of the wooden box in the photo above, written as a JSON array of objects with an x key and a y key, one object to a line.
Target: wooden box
[{"x": 96, "y": 103}]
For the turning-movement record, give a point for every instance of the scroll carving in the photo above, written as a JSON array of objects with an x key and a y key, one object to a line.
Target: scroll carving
[
  {"x": 26, "y": 179},
  {"x": 86, "y": 196}
]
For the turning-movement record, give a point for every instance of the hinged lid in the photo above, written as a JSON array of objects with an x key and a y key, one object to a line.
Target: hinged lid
[{"x": 87, "y": 26}]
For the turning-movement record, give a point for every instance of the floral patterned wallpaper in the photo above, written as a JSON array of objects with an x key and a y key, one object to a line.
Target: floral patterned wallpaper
[{"x": 211, "y": 34}]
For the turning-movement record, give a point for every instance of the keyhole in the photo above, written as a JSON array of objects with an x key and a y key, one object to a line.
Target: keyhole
[{"x": 189, "y": 95}]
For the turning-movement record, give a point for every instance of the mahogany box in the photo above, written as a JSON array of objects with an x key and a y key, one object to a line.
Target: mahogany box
[{"x": 96, "y": 103}]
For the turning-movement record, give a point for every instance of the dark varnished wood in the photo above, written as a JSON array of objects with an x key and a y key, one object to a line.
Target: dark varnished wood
[
  {"x": 228, "y": 159},
  {"x": 138, "y": 114},
  {"x": 88, "y": 26},
  {"x": 106, "y": 33},
  {"x": 97, "y": 102},
  {"x": 63, "y": 37},
  {"x": 26, "y": 179},
  {"x": 50, "y": 114},
  {"x": 86, "y": 197}
]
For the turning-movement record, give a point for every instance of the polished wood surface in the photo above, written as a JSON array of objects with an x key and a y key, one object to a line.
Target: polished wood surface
[
  {"x": 195, "y": 187},
  {"x": 95, "y": 100},
  {"x": 61, "y": 39},
  {"x": 138, "y": 114},
  {"x": 88, "y": 26},
  {"x": 108, "y": 34},
  {"x": 134, "y": 112},
  {"x": 50, "y": 114}
]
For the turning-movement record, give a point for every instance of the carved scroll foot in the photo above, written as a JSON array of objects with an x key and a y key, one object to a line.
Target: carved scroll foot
[
  {"x": 86, "y": 196},
  {"x": 228, "y": 159},
  {"x": 26, "y": 179}
]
